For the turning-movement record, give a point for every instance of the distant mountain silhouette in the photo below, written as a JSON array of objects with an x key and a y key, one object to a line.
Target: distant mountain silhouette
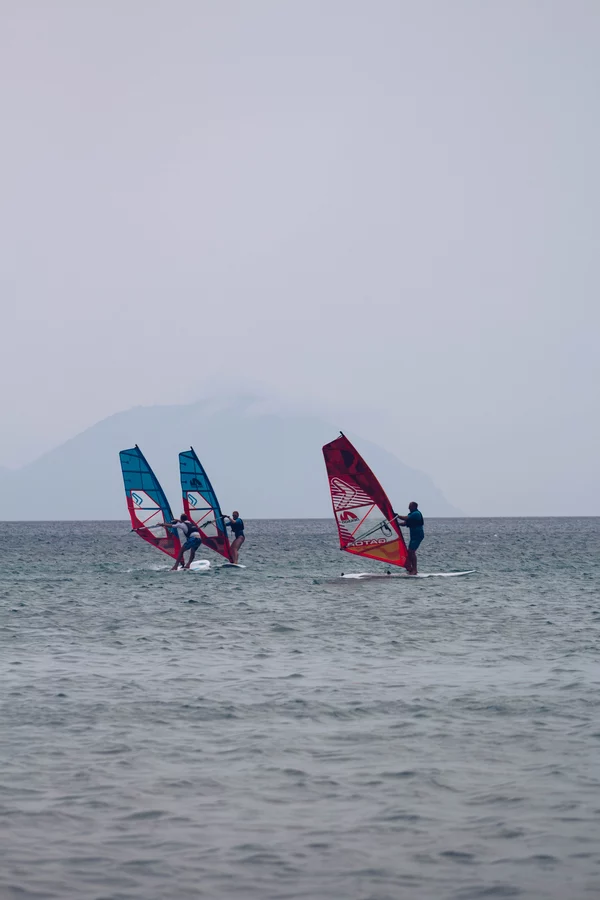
[{"x": 266, "y": 465}]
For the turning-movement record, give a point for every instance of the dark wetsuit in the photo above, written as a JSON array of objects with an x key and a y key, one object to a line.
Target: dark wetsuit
[
  {"x": 414, "y": 522},
  {"x": 237, "y": 526}
]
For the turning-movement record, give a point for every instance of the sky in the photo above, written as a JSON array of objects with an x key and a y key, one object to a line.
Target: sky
[{"x": 384, "y": 212}]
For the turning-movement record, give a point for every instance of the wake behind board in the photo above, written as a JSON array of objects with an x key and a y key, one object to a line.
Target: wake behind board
[{"x": 362, "y": 575}]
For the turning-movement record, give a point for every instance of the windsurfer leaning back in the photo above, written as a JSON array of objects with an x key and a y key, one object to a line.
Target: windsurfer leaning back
[
  {"x": 414, "y": 522},
  {"x": 189, "y": 539},
  {"x": 237, "y": 527}
]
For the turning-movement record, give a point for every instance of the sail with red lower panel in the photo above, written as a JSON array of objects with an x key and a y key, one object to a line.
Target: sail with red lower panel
[
  {"x": 201, "y": 505},
  {"x": 365, "y": 519},
  {"x": 147, "y": 503}
]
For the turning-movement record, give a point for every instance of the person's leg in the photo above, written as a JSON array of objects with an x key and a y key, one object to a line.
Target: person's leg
[
  {"x": 413, "y": 546},
  {"x": 235, "y": 547},
  {"x": 192, "y": 554},
  {"x": 188, "y": 545},
  {"x": 179, "y": 560},
  {"x": 241, "y": 540}
]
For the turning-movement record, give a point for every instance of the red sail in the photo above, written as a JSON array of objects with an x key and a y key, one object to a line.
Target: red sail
[{"x": 365, "y": 519}]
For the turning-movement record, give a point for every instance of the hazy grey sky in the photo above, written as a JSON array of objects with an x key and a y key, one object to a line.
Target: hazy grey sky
[{"x": 385, "y": 209}]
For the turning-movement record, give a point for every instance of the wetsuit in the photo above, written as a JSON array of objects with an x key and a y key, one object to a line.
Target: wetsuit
[
  {"x": 237, "y": 526},
  {"x": 414, "y": 522}
]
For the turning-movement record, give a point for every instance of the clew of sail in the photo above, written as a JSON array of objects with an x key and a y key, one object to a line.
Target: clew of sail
[
  {"x": 366, "y": 522},
  {"x": 147, "y": 503},
  {"x": 201, "y": 505}
]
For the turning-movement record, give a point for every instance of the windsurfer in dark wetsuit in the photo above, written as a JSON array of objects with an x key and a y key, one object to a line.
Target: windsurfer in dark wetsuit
[
  {"x": 414, "y": 522},
  {"x": 237, "y": 526}
]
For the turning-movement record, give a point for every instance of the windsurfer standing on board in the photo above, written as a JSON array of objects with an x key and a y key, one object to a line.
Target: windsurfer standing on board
[
  {"x": 237, "y": 526},
  {"x": 189, "y": 538},
  {"x": 414, "y": 522}
]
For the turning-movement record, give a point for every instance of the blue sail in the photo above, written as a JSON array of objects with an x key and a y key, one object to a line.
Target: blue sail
[
  {"x": 147, "y": 503},
  {"x": 201, "y": 505}
]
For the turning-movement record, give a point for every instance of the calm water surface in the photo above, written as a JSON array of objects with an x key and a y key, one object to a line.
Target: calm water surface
[{"x": 280, "y": 733}]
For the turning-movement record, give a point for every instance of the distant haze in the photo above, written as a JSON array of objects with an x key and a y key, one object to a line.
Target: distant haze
[
  {"x": 266, "y": 465},
  {"x": 383, "y": 215}
]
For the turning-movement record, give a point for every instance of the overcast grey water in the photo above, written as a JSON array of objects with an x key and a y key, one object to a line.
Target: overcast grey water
[{"x": 278, "y": 732}]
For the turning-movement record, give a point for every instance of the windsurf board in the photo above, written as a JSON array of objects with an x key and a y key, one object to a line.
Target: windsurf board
[
  {"x": 199, "y": 565},
  {"x": 362, "y": 575}
]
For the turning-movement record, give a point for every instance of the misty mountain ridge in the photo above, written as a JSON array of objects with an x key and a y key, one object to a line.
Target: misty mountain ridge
[{"x": 266, "y": 463}]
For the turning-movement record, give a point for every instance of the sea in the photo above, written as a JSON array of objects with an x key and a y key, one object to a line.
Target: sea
[{"x": 278, "y": 732}]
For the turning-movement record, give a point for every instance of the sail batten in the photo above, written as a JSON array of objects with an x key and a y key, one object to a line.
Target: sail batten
[
  {"x": 201, "y": 505},
  {"x": 147, "y": 502},
  {"x": 367, "y": 524}
]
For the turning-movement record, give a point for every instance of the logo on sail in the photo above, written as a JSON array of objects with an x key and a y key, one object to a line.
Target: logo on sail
[{"x": 346, "y": 495}]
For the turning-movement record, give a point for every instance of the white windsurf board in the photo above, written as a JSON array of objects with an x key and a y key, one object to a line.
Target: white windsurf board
[
  {"x": 199, "y": 565},
  {"x": 361, "y": 575}
]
